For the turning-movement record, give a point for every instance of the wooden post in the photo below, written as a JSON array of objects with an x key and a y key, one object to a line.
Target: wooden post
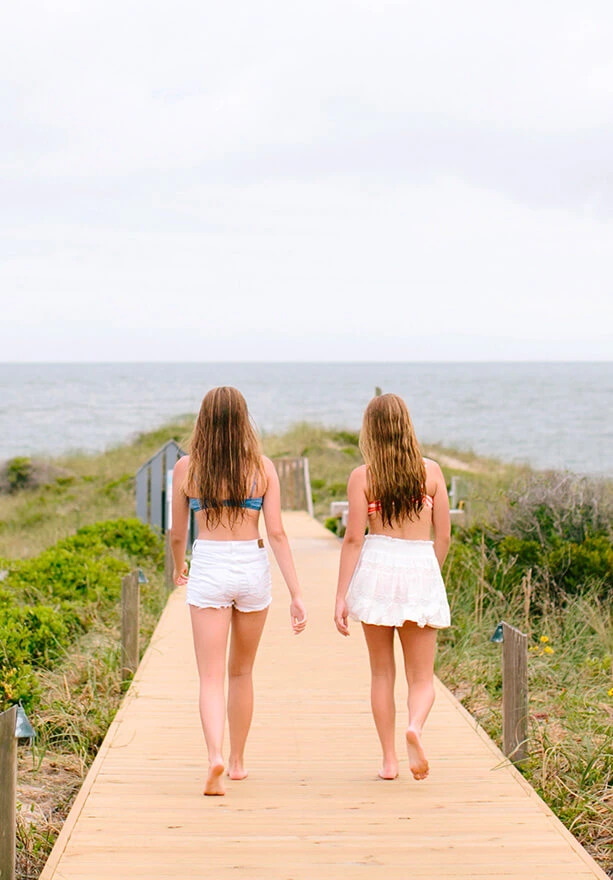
[
  {"x": 130, "y": 590},
  {"x": 514, "y": 693},
  {"x": 168, "y": 563},
  {"x": 8, "y": 793},
  {"x": 307, "y": 486}
]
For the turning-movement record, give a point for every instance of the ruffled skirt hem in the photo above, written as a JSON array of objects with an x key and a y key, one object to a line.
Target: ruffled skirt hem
[{"x": 397, "y": 581}]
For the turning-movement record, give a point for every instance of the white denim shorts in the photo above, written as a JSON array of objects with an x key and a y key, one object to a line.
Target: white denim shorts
[{"x": 229, "y": 573}]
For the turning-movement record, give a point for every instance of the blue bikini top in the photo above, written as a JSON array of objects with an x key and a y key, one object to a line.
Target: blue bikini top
[{"x": 250, "y": 503}]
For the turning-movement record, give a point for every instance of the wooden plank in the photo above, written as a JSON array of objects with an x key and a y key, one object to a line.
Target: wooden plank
[
  {"x": 514, "y": 693},
  {"x": 8, "y": 785},
  {"x": 142, "y": 492},
  {"x": 130, "y": 595},
  {"x": 312, "y": 805},
  {"x": 307, "y": 486},
  {"x": 168, "y": 563},
  {"x": 158, "y": 479}
]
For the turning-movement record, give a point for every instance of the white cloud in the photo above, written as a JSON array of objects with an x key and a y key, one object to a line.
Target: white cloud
[{"x": 315, "y": 180}]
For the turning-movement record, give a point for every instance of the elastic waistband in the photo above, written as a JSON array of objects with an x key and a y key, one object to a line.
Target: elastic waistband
[
  {"x": 253, "y": 542},
  {"x": 375, "y": 538},
  {"x": 400, "y": 548}
]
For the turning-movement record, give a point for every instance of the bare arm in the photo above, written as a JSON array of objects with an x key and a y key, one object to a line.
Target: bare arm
[
  {"x": 441, "y": 521},
  {"x": 279, "y": 545},
  {"x": 357, "y": 519},
  {"x": 180, "y": 521}
]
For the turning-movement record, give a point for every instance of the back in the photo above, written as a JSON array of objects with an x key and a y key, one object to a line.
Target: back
[{"x": 434, "y": 511}]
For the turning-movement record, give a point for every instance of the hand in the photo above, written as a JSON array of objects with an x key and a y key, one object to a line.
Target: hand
[
  {"x": 297, "y": 615},
  {"x": 180, "y": 578},
  {"x": 340, "y": 617}
]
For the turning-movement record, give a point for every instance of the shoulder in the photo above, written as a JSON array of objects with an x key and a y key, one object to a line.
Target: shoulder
[
  {"x": 357, "y": 477},
  {"x": 182, "y": 465},
  {"x": 432, "y": 466},
  {"x": 267, "y": 465},
  {"x": 179, "y": 475},
  {"x": 434, "y": 472}
]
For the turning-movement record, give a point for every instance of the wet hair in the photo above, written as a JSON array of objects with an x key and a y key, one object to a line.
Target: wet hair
[
  {"x": 225, "y": 457},
  {"x": 396, "y": 472}
]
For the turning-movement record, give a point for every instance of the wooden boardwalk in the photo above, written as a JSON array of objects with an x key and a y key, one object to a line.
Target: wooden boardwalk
[{"x": 312, "y": 807}]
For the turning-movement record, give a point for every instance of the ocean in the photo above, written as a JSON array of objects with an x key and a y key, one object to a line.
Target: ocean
[{"x": 549, "y": 415}]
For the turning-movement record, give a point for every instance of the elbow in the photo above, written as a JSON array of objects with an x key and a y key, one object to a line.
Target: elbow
[
  {"x": 353, "y": 540},
  {"x": 276, "y": 536},
  {"x": 176, "y": 537},
  {"x": 443, "y": 540}
]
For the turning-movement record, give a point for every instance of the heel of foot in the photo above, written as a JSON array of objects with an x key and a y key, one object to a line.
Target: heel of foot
[
  {"x": 418, "y": 762},
  {"x": 214, "y": 781}
]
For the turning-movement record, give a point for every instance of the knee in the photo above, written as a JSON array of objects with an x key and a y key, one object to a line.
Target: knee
[
  {"x": 424, "y": 682},
  {"x": 383, "y": 673},
  {"x": 236, "y": 671}
]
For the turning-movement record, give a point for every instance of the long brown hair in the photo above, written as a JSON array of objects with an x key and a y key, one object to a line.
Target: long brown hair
[
  {"x": 225, "y": 456},
  {"x": 395, "y": 467}
]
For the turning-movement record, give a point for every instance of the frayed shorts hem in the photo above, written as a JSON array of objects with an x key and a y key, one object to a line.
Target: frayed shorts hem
[{"x": 230, "y": 605}]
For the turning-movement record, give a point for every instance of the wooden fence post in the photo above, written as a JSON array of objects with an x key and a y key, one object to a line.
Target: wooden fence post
[
  {"x": 307, "y": 486},
  {"x": 514, "y": 693},
  {"x": 168, "y": 563},
  {"x": 130, "y": 594},
  {"x": 8, "y": 793}
]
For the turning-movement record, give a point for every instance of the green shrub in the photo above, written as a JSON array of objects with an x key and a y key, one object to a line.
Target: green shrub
[
  {"x": 350, "y": 438},
  {"x": 61, "y": 573},
  {"x": 132, "y": 536},
  {"x": 520, "y": 557},
  {"x": 573, "y": 567},
  {"x": 336, "y": 489},
  {"x": 47, "y": 600},
  {"x": 332, "y": 523},
  {"x": 18, "y": 473}
]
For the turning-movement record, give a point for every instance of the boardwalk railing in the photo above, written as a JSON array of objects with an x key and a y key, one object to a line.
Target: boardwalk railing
[
  {"x": 154, "y": 490},
  {"x": 154, "y": 487},
  {"x": 295, "y": 483}
]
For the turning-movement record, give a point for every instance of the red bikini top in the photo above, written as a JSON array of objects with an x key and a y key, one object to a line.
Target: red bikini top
[{"x": 374, "y": 507}]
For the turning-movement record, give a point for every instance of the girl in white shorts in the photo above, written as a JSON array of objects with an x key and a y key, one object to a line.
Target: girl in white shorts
[
  {"x": 390, "y": 579},
  {"x": 227, "y": 482}
]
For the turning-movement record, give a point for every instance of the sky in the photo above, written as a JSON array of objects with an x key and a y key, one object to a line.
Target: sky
[{"x": 310, "y": 181}]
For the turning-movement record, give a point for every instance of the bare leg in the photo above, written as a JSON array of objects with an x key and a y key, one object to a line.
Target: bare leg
[
  {"x": 418, "y": 647},
  {"x": 210, "y": 628},
  {"x": 246, "y": 632},
  {"x": 380, "y": 642}
]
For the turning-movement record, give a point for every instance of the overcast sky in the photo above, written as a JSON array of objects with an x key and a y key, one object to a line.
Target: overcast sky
[{"x": 321, "y": 180}]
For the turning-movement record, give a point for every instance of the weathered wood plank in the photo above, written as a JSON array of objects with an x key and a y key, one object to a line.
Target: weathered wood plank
[
  {"x": 514, "y": 693},
  {"x": 8, "y": 784},
  {"x": 130, "y": 617}
]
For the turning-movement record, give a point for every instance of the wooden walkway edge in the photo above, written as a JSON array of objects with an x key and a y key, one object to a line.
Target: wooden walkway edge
[{"x": 312, "y": 807}]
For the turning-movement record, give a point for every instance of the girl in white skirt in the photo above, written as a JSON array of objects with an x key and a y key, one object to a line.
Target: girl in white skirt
[
  {"x": 227, "y": 482},
  {"x": 390, "y": 579}
]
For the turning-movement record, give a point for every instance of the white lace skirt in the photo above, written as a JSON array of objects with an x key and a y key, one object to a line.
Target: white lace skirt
[{"x": 397, "y": 580}]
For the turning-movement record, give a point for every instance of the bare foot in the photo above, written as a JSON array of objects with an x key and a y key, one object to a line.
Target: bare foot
[
  {"x": 214, "y": 783},
  {"x": 389, "y": 770},
  {"x": 237, "y": 771},
  {"x": 417, "y": 757}
]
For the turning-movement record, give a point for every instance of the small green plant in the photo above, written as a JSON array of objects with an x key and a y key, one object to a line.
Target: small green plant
[
  {"x": 18, "y": 473},
  {"x": 332, "y": 523},
  {"x": 349, "y": 438}
]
